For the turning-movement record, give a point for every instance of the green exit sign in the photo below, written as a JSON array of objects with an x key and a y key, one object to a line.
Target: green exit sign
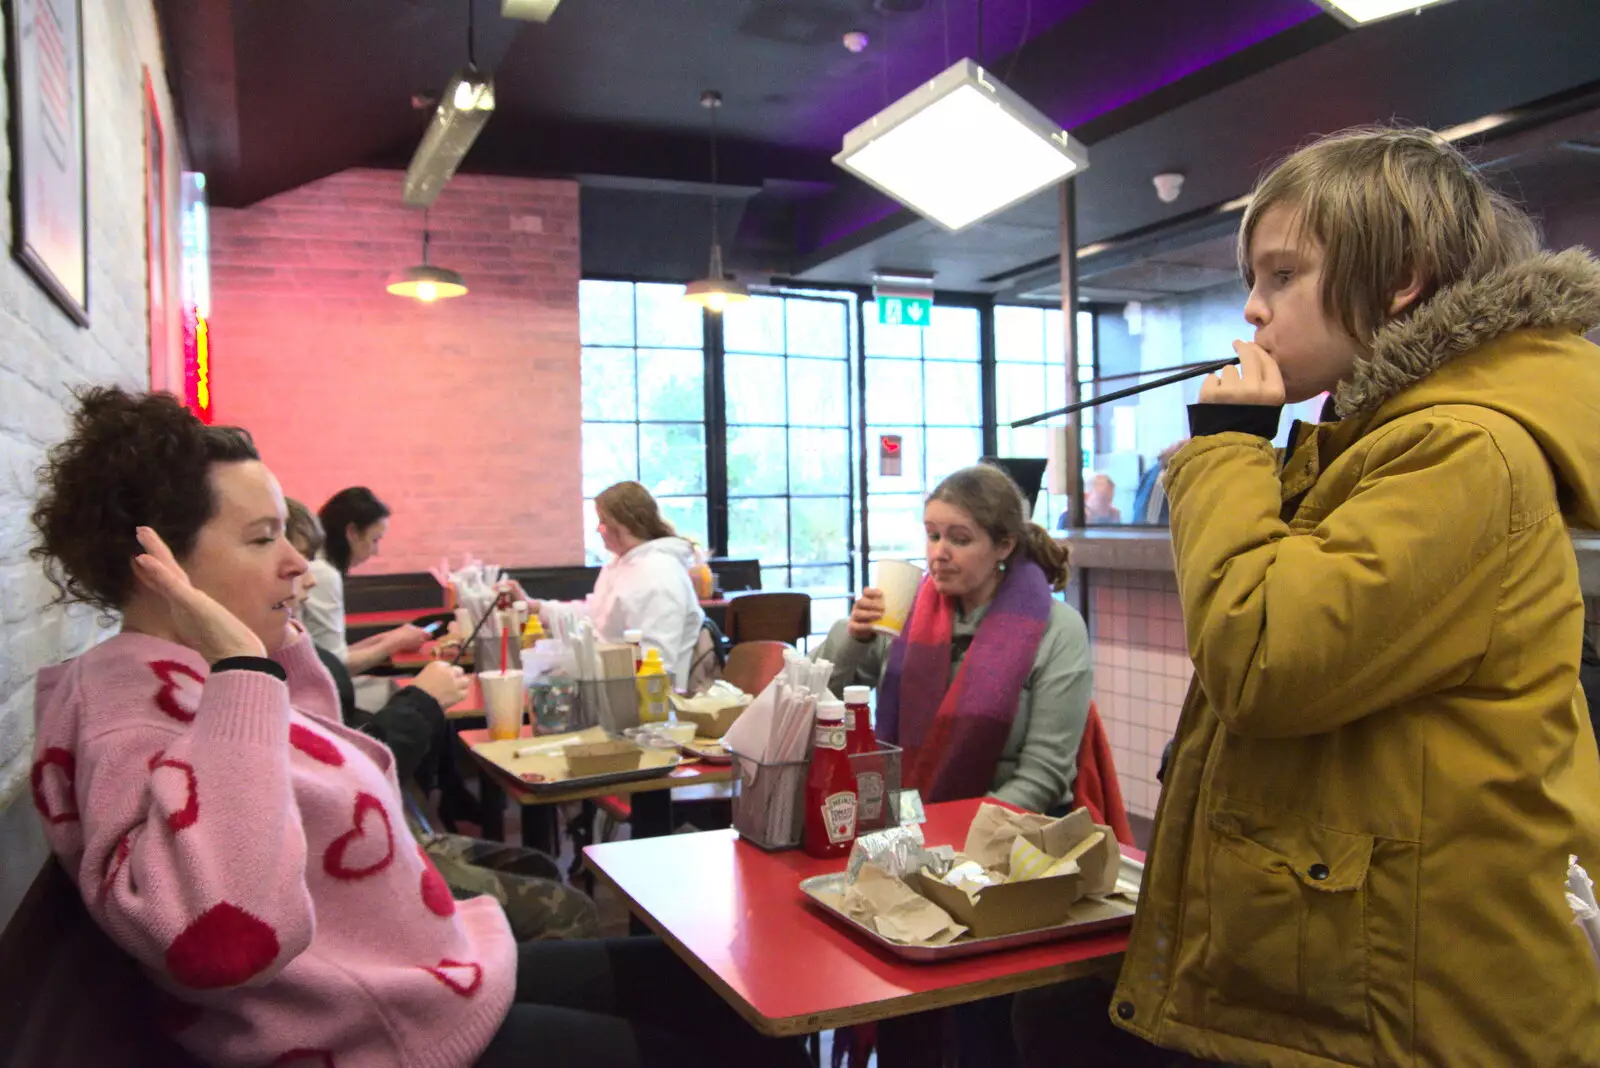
[{"x": 904, "y": 311}]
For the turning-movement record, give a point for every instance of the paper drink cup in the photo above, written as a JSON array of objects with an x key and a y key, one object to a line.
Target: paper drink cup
[
  {"x": 503, "y": 694},
  {"x": 899, "y": 582}
]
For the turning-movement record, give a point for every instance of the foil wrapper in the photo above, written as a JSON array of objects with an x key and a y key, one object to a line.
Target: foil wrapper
[{"x": 898, "y": 851}]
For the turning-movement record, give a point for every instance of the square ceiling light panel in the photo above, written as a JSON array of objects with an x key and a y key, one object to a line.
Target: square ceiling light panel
[
  {"x": 1362, "y": 12},
  {"x": 960, "y": 148}
]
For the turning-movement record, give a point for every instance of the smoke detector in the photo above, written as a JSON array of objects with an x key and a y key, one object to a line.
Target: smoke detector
[{"x": 1168, "y": 186}]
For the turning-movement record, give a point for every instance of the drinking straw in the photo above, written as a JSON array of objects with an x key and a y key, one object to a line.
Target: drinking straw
[{"x": 1196, "y": 372}]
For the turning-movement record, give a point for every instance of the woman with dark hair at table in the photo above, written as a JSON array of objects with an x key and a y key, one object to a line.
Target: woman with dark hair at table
[{"x": 354, "y": 521}]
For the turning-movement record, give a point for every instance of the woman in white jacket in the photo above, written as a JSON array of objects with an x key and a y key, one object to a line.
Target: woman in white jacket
[{"x": 646, "y": 586}]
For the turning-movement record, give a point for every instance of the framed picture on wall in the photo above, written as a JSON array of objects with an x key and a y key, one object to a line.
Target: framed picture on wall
[
  {"x": 49, "y": 179},
  {"x": 155, "y": 228}
]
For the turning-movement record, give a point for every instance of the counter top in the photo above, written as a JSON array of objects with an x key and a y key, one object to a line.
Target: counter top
[{"x": 1150, "y": 549}]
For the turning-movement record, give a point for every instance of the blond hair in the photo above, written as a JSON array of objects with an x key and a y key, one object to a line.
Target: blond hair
[
  {"x": 1390, "y": 207},
  {"x": 629, "y": 505},
  {"x": 996, "y": 504}
]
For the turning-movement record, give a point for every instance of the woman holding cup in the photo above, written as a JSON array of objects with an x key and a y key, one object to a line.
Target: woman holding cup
[{"x": 983, "y": 677}]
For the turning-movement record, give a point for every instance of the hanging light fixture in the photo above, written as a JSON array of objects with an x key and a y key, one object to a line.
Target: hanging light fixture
[
  {"x": 464, "y": 108},
  {"x": 1362, "y": 12},
  {"x": 961, "y": 147},
  {"x": 425, "y": 282},
  {"x": 715, "y": 291}
]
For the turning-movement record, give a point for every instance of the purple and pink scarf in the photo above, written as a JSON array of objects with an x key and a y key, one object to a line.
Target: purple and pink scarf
[{"x": 954, "y": 730}]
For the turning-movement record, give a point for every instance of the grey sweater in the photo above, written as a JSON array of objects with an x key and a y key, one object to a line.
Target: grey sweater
[{"x": 1040, "y": 759}]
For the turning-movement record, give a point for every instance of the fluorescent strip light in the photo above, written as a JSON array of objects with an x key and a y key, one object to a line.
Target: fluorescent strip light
[
  {"x": 1452, "y": 134},
  {"x": 464, "y": 107},
  {"x": 528, "y": 10},
  {"x": 960, "y": 149},
  {"x": 1363, "y": 12}
]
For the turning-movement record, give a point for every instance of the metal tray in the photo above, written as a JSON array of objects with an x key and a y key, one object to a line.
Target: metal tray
[
  {"x": 1123, "y": 901},
  {"x": 561, "y": 786}
]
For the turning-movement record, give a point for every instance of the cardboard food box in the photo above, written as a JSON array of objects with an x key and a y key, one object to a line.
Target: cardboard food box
[
  {"x": 602, "y": 758},
  {"x": 712, "y": 723},
  {"x": 1010, "y": 907}
]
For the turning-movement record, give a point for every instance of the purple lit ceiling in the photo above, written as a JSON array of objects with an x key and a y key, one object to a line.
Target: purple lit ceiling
[{"x": 277, "y": 93}]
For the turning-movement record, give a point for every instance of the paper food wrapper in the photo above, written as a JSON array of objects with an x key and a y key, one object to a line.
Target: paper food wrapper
[
  {"x": 887, "y": 905},
  {"x": 1059, "y": 862},
  {"x": 1017, "y": 872}
]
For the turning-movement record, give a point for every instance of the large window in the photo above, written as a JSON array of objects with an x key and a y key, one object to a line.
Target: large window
[
  {"x": 1031, "y": 377},
  {"x": 787, "y": 368},
  {"x": 1134, "y": 437},
  {"x": 924, "y": 385},
  {"x": 643, "y": 400}
]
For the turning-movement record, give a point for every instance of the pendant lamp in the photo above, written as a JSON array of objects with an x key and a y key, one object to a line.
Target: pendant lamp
[
  {"x": 715, "y": 291},
  {"x": 425, "y": 282}
]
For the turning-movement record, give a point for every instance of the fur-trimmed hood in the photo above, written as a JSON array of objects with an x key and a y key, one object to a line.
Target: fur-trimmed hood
[
  {"x": 1510, "y": 341},
  {"x": 1553, "y": 290}
]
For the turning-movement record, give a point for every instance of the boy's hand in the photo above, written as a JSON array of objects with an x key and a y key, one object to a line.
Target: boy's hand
[{"x": 1255, "y": 381}]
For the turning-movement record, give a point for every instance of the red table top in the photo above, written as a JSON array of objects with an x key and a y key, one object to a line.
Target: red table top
[
  {"x": 392, "y": 618},
  {"x": 697, "y": 774},
  {"x": 736, "y": 915}
]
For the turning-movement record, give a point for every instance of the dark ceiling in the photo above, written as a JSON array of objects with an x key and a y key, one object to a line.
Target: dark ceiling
[{"x": 277, "y": 93}]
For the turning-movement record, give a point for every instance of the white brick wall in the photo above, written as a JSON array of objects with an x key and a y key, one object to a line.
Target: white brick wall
[{"x": 43, "y": 355}]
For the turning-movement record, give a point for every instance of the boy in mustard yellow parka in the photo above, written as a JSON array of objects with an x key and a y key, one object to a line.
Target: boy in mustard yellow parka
[{"x": 1385, "y": 759}]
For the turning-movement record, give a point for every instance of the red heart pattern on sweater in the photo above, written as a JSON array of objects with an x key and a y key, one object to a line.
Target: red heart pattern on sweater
[
  {"x": 173, "y": 784},
  {"x": 315, "y": 745},
  {"x": 362, "y": 850},
  {"x": 53, "y": 781},
  {"x": 226, "y": 946},
  {"x": 304, "y": 1058},
  {"x": 464, "y": 979},
  {"x": 435, "y": 891},
  {"x": 179, "y": 696}
]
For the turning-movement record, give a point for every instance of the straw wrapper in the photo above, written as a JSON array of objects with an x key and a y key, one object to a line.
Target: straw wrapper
[{"x": 1581, "y": 899}]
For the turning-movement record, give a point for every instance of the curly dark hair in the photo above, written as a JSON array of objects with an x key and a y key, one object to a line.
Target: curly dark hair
[
  {"x": 354, "y": 505},
  {"x": 130, "y": 460}
]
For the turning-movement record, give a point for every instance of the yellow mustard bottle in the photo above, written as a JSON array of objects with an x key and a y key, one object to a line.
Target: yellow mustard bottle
[
  {"x": 655, "y": 689},
  {"x": 532, "y": 632}
]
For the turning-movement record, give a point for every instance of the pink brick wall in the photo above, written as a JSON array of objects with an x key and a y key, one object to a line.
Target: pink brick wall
[{"x": 463, "y": 416}]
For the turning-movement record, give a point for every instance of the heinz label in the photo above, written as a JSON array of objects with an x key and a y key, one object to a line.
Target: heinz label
[{"x": 839, "y": 816}]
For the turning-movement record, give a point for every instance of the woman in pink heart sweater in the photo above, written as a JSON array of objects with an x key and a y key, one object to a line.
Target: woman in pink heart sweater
[{"x": 247, "y": 849}]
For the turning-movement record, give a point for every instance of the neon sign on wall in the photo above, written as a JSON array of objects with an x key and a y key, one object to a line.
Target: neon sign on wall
[{"x": 196, "y": 291}]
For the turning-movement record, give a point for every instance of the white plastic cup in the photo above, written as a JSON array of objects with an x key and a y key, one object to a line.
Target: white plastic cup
[
  {"x": 899, "y": 582},
  {"x": 504, "y": 696}
]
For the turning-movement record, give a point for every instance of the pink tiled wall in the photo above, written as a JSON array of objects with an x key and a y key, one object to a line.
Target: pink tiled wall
[{"x": 1141, "y": 673}]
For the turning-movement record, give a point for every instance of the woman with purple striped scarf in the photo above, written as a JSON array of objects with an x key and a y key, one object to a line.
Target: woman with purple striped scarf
[{"x": 987, "y": 687}]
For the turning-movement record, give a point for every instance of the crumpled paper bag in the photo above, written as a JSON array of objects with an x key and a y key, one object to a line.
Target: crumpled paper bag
[{"x": 885, "y": 904}]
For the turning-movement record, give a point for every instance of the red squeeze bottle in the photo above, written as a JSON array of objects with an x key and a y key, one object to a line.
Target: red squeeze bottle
[
  {"x": 858, "y": 720},
  {"x": 831, "y": 800},
  {"x": 869, "y": 771}
]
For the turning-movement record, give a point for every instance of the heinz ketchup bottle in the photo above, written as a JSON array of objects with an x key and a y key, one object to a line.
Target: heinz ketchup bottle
[
  {"x": 868, "y": 769},
  {"x": 831, "y": 799}
]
